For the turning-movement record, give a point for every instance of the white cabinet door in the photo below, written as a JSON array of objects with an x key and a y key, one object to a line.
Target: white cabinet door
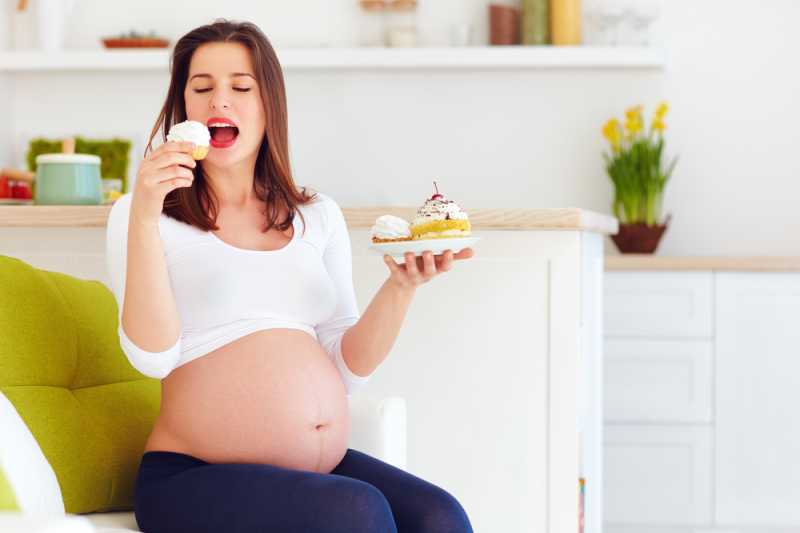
[
  {"x": 658, "y": 475},
  {"x": 758, "y": 398},
  {"x": 658, "y": 380},
  {"x": 658, "y": 304}
]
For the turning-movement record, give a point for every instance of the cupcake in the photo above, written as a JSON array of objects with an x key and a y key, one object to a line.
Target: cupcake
[
  {"x": 194, "y": 132},
  {"x": 389, "y": 228},
  {"x": 439, "y": 218}
]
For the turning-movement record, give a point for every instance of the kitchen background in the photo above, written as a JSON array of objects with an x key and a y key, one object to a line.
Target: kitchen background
[{"x": 516, "y": 137}]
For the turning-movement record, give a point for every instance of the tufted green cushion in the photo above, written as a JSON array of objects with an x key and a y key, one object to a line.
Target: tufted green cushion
[
  {"x": 63, "y": 370},
  {"x": 8, "y": 501}
]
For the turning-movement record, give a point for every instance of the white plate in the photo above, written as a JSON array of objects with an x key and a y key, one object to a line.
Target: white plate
[{"x": 437, "y": 246}]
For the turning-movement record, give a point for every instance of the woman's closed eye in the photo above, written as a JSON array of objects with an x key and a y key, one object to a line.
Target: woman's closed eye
[{"x": 240, "y": 89}]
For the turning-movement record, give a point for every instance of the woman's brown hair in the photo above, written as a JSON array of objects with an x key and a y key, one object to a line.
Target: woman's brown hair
[{"x": 272, "y": 181}]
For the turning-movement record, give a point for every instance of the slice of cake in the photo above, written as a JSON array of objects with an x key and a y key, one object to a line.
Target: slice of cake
[{"x": 440, "y": 218}]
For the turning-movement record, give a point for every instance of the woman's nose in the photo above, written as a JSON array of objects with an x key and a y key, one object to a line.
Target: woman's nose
[{"x": 219, "y": 101}]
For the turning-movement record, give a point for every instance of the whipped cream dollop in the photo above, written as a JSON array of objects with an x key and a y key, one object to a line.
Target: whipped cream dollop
[
  {"x": 391, "y": 227},
  {"x": 191, "y": 131},
  {"x": 439, "y": 209}
]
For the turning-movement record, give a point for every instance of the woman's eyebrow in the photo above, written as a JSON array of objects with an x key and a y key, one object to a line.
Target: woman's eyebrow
[{"x": 233, "y": 75}]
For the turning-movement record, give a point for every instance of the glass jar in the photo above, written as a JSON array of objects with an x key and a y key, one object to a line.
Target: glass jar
[
  {"x": 640, "y": 18},
  {"x": 535, "y": 22},
  {"x": 565, "y": 22},
  {"x": 603, "y": 24},
  {"x": 372, "y": 23},
  {"x": 401, "y": 24}
]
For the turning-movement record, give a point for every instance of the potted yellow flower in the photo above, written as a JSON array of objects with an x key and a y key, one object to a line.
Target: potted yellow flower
[{"x": 634, "y": 166}]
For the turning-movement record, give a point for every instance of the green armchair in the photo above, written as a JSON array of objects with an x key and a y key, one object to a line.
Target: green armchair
[
  {"x": 75, "y": 415},
  {"x": 63, "y": 374}
]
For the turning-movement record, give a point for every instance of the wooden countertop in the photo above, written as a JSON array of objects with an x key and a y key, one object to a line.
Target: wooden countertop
[
  {"x": 570, "y": 218},
  {"x": 707, "y": 263}
]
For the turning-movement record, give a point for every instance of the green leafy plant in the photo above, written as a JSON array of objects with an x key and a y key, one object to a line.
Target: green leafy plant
[
  {"x": 114, "y": 154},
  {"x": 635, "y": 166}
]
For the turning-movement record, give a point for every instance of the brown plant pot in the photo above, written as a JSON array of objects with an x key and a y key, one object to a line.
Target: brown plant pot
[
  {"x": 129, "y": 42},
  {"x": 639, "y": 238}
]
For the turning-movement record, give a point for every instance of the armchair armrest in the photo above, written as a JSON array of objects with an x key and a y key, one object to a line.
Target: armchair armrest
[
  {"x": 17, "y": 522},
  {"x": 378, "y": 427}
]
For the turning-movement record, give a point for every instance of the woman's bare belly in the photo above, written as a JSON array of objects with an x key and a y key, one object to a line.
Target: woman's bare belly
[{"x": 271, "y": 397}]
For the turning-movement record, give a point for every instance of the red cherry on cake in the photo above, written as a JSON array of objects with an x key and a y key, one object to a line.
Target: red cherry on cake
[{"x": 437, "y": 195}]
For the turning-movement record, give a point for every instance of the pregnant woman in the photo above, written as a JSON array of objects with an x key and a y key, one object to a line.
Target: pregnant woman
[{"x": 235, "y": 289}]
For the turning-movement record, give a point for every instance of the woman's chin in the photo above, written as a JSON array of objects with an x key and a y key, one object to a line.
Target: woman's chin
[{"x": 224, "y": 157}]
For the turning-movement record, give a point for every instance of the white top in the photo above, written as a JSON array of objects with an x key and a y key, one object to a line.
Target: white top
[{"x": 224, "y": 292}]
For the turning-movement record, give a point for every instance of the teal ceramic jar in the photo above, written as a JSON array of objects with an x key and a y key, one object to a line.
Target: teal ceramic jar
[{"x": 68, "y": 179}]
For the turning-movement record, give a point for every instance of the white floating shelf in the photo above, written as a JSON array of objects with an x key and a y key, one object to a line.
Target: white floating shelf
[{"x": 472, "y": 57}]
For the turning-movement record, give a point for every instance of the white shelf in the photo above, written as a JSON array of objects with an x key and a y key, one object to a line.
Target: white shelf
[{"x": 474, "y": 57}]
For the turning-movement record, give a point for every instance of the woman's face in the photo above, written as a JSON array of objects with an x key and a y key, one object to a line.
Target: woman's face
[{"x": 222, "y": 85}]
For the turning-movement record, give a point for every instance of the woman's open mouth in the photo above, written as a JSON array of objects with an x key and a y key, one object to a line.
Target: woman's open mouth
[{"x": 223, "y": 132}]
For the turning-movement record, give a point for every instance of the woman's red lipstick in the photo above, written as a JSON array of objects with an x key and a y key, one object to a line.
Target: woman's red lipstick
[{"x": 225, "y": 135}]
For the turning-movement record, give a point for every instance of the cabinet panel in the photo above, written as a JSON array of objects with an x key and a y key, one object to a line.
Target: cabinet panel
[
  {"x": 658, "y": 304},
  {"x": 757, "y": 397},
  {"x": 658, "y": 475},
  {"x": 658, "y": 381}
]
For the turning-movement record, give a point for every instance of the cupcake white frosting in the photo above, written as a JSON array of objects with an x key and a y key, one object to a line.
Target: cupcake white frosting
[
  {"x": 190, "y": 130},
  {"x": 439, "y": 209},
  {"x": 391, "y": 227}
]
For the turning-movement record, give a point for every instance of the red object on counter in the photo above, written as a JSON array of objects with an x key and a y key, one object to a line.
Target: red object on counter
[
  {"x": 21, "y": 190},
  {"x": 5, "y": 190},
  {"x": 504, "y": 25}
]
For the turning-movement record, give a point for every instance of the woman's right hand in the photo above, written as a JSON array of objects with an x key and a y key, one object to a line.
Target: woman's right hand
[{"x": 164, "y": 170}]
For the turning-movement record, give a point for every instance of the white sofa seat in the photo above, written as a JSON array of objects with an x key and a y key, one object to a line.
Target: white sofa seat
[{"x": 378, "y": 428}]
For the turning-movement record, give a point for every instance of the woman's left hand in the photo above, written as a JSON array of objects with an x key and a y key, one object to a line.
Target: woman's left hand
[{"x": 418, "y": 270}]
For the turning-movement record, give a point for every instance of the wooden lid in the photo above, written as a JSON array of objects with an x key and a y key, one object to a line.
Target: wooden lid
[
  {"x": 373, "y": 5},
  {"x": 402, "y": 5},
  {"x": 391, "y": 5}
]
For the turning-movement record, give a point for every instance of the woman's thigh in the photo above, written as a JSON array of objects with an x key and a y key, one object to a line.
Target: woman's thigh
[
  {"x": 417, "y": 505},
  {"x": 177, "y": 492}
]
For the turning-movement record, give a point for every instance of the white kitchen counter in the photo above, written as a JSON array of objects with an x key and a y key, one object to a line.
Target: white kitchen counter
[
  {"x": 569, "y": 218},
  {"x": 688, "y": 263}
]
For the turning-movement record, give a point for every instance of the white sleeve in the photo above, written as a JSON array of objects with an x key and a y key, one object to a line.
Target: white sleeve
[
  {"x": 338, "y": 261},
  {"x": 152, "y": 364}
]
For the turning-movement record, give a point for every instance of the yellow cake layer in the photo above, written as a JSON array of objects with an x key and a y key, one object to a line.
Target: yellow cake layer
[
  {"x": 200, "y": 152},
  {"x": 426, "y": 236},
  {"x": 437, "y": 226}
]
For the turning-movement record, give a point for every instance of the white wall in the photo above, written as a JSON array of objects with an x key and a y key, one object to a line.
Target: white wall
[{"x": 495, "y": 139}]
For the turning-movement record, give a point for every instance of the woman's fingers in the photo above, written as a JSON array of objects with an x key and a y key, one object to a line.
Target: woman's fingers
[
  {"x": 174, "y": 171},
  {"x": 175, "y": 183},
  {"x": 172, "y": 146},
  {"x": 389, "y": 260},
  {"x": 466, "y": 253},
  {"x": 411, "y": 265},
  {"x": 428, "y": 263},
  {"x": 173, "y": 158},
  {"x": 420, "y": 269},
  {"x": 444, "y": 261}
]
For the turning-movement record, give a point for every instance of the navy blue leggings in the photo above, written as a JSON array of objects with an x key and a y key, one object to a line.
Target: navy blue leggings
[{"x": 178, "y": 493}]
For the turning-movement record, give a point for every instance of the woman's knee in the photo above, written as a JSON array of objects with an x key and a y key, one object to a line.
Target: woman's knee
[
  {"x": 369, "y": 508},
  {"x": 442, "y": 514}
]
